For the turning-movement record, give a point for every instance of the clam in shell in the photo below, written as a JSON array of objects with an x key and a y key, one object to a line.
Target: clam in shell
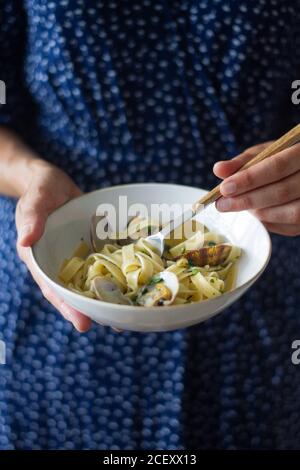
[
  {"x": 160, "y": 291},
  {"x": 208, "y": 255},
  {"x": 108, "y": 291}
]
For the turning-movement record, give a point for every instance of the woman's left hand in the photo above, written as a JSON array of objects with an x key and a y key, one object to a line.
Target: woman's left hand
[{"x": 270, "y": 189}]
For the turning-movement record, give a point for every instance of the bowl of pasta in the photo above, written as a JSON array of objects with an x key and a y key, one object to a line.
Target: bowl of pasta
[{"x": 207, "y": 264}]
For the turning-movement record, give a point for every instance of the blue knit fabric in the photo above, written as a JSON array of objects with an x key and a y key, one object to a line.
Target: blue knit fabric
[{"x": 133, "y": 91}]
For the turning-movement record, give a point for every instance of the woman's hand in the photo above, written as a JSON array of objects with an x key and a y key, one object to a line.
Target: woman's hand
[
  {"x": 270, "y": 189},
  {"x": 48, "y": 189}
]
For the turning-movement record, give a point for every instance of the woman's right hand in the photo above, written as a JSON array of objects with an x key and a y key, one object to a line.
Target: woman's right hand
[{"x": 48, "y": 188}]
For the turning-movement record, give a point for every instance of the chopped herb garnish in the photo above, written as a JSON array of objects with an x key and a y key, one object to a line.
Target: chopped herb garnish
[
  {"x": 194, "y": 271},
  {"x": 190, "y": 262},
  {"x": 149, "y": 229},
  {"x": 211, "y": 243},
  {"x": 154, "y": 280},
  {"x": 144, "y": 290}
]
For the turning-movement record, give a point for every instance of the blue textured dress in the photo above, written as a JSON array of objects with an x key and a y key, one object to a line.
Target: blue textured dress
[{"x": 140, "y": 90}]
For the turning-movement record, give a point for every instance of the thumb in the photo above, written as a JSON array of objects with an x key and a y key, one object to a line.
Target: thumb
[
  {"x": 225, "y": 168},
  {"x": 31, "y": 217}
]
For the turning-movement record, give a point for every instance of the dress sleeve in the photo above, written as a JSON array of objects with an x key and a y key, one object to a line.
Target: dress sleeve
[{"x": 12, "y": 53}]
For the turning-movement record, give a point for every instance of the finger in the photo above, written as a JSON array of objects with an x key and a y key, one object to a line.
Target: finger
[
  {"x": 31, "y": 215},
  {"x": 78, "y": 319},
  {"x": 225, "y": 168},
  {"x": 287, "y": 230},
  {"x": 275, "y": 194},
  {"x": 24, "y": 254},
  {"x": 271, "y": 169},
  {"x": 284, "y": 214}
]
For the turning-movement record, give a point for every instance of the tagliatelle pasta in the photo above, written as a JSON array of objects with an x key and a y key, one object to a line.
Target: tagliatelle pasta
[{"x": 195, "y": 269}]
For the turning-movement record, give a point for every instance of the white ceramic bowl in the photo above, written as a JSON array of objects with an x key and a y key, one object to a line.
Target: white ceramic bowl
[{"x": 67, "y": 225}]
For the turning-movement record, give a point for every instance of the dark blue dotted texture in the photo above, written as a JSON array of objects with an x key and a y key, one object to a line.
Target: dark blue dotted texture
[{"x": 139, "y": 90}]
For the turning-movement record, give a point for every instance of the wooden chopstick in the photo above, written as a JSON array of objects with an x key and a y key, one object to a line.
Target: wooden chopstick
[{"x": 286, "y": 141}]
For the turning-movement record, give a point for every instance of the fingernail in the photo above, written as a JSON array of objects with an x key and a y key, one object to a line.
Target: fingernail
[
  {"x": 224, "y": 204},
  {"x": 228, "y": 188},
  {"x": 66, "y": 311},
  {"x": 68, "y": 314},
  {"x": 217, "y": 164},
  {"x": 25, "y": 230}
]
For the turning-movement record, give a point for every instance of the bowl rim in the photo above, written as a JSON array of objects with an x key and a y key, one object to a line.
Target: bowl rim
[{"x": 99, "y": 302}]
